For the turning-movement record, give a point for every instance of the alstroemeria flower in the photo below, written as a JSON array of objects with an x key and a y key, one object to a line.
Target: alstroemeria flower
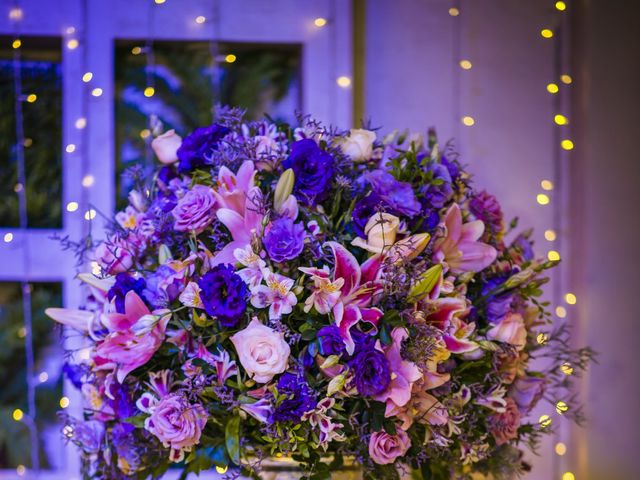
[
  {"x": 276, "y": 295},
  {"x": 460, "y": 247},
  {"x": 252, "y": 273},
  {"x": 326, "y": 292},
  {"x": 422, "y": 408},
  {"x": 456, "y": 337}
]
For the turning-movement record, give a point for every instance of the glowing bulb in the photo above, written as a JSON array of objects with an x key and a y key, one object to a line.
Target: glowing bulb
[
  {"x": 32, "y": 97},
  {"x": 566, "y": 79},
  {"x": 454, "y": 12},
  {"x": 90, "y": 214},
  {"x": 570, "y": 298},
  {"x": 561, "y": 407},
  {"x": 18, "y": 414},
  {"x": 344, "y": 82},
  {"x": 546, "y": 185},
  {"x": 560, "y": 119},
  {"x": 561, "y": 6},
  {"x": 149, "y": 91},
  {"x": 160, "y": 2},
  {"x": 546, "y": 33},
  {"x": 542, "y": 338},
  {"x": 561, "y": 312},
  {"x": 544, "y": 421},
  {"x": 21, "y": 470},
  {"x": 561, "y": 448},
  {"x": 230, "y": 58},
  {"x": 27, "y": 142},
  {"x": 88, "y": 180},
  {"x": 43, "y": 377},
  {"x": 552, "y": 88},
  {"x": 72, "y": 206},
  {"x": 320, "y": 22},
  {"x": 568, "y": 476},
  {"x": 15, "y": 14},
  {"x": 145, "y": 133},
  {"x": 70, "y": 148},
  {"x": 87, "y": 77},
  {"x": 8, "y": 237},
  {"x": 22, "y": 332},
  {"x": 566, "y": 368},
  {"x": 465, "y": 64},
  {"x": 200, "y": 19},
  {"x": 70, "y": 30},
  {"x": 550, "y": 235},
  {"x": 96, "y": 92},
  {"x": 136, "y": 50},
  {"x": 468, "y": 121},
  {"x": 16, "y": 43},
  {"x": 221, "y": 470},
  {"x": 64, "y": 402},
  {"x": 553, "y": 256},
  {"x": 81, "y": 123},
  {"x": 567, "y": 144},
  {"x": 542, "y": 199},
  {"x": 72, "y": 44}
]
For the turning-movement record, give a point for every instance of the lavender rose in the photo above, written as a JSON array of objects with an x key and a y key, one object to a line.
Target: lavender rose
[
  {"x": 385, "y": 449},
  {"x": 197, "y": 149},
  {"x": 504, "y": 426},
  {"x": 526, "y": 392},
  {"x": 313, "y": 169},
  {"x": 194, "y": 211},
  {"x": 284, "y": 240}
]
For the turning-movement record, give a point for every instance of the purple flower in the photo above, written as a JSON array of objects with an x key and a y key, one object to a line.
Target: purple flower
[
  {"x": 125, "y": 283},
  {"x": 364, "y": 210},
  {"x": 438, "y": 191},
  {"x": 330, "y": 341},
  {"x": 372, "y": 373},
  {"x": 452, "y": 166},
  {"x": 485, "y": 207},
  {"x": 313, "y": 168},
  {"x": 163, "y": 286},
  {"x": 284, "y": 240},
  {"x": 197, "y": 149},
  {"x": 525, "y": 246},
  {"x": 526, "y": 392},
  {"x": 397, "y": 196},
  {"x": 195, "y": 211},
  {"x": 299, "y": 398},
  {"x": 224, "y": 294},
  {"x": 89, "y": 435}
]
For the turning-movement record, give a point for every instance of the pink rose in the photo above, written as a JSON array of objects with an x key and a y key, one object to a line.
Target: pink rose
[
  {"x": 166, "y": 147},
  {"x": 526, "y": 392},
  {"x": 263, "y": 352},
  {"x": 114, "y": 256},
  {"x": 195, "y": 211},
  {"x": 504, "y": 426},
  {"x": 177, "y": 424},
  {"x": 385, "y": 448},
  {"x": 510, "y": 330}
]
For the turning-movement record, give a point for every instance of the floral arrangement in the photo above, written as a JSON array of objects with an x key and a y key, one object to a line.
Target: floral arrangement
[{"x": 317, "y": 294}]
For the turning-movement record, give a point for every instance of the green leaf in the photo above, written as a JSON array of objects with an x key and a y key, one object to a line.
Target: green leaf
[
  {"x": 137, "y": 420},
  {"x": 232, "y": 439}
]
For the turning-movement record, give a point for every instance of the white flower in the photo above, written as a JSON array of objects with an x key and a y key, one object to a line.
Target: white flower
[
  {"x": 190, "y": 296},
  {"x": 358, "y": 145},
  {"x": 275, "y": 294},
  {"x": 166, "y": 147},
  {"x": 252, "y": 274}
]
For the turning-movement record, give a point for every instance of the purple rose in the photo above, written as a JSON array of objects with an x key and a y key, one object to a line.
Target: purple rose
[
  {"x": 224, "y": 294},
  {"x": 526, "y": 392},
  {"x": 284, "y": 240},
  {"x": 372, "y": 373},
  {"x": 485, "y": 207},
  {"x": 330, "y": 340},
  {"x": 195, "y": 211},
  {"x": 313, "y": 168},
  {"x": 197, "y": 149},
  {"x": 299, "y": 398}
]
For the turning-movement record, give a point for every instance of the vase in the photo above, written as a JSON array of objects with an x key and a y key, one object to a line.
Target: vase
[{"x": 285, "y": 468}]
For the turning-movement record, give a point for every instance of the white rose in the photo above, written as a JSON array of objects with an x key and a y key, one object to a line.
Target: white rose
[
  {"x": 381, "y": 231},
  {"x": 166, "y": 147},
  {"x": 262, "y": 351},
  {"x": 358, "y": 145}
]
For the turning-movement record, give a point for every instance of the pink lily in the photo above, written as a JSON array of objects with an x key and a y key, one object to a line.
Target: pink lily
[
  {"x": 422, "y": 408},
  {"x": 233, "y": 188},
  {"x": 460, "y": 247},
  {"x": 456, "y": 338}
]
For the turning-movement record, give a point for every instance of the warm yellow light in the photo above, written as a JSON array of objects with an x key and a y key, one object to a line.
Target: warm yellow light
[
  {"x": 560, "y": 119},
  {"x": 160, "y": 2},
  {"x": 561, "y": 407},
  {"x": 18, "y": 414},
  {"x": 552, "y": 88},
  {"x": 566, "y": 79},
  {"x": 454, "y": 12},
  {"x": 567, "y": 144},
  {"x": 561, "y": 448},
  {"x": 72, "y": 206},
  {"x": 149, "y": 91},
  {"x": 561, "y": 312},
  {"x": 70, "y": 148},
  {"x": 344, "y": 81},
  {"x": 221, "y": 470},
  {"x": 16, "y": 43},
  {"x": 64, "y": 402},
  {"x": 15, "y": 14},
  {"x": 21, "y": 470},
  {"x": 200, "y": 19},
  {"x": 544, "y": 421},
  {"x": 230, "y": 58},
  {"x": 81, "y": 123},
  {"x": 553, "y": 256},
  {"x": 88, "y": 180},
  {"x": 8, "y": 237},
  {"x": 70, "y": 30},
  {"x": 145, "y": 133},
  {"x": 32, "y": 97},
  {"x": 96, "y": 92},
  {"x": 72, "y": 44},
  {"x": 566, "y": 368},
  {"x": 320, "y": 22},
  {"x": 43, "y": 377},
  {"x": 561, "y": 6},
  {"x": 546, "y": 185},
  {"x": 466, "y": 64},
  {"x": 550, "y": 235},
  {"x": 87, "y": 77},
  {"x": 568, "y": 476},
  {"x": 570, "y": 298},
  {"x": 22, "y": 332},
  {"x": 542, "y": 199},
  {"x": 542, "y": 338},
  {"x": 468, "y": 121},
  {"x": 90, "y": 214},
  {"x": 27, "y": 142},
  {"x": 546, "y": 33},
  {"x": 136, "y": 50}
]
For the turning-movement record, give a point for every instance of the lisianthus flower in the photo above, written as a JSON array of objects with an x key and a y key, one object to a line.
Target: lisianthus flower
[
  {"x": 527, "y": 391},
  {"x": 284, "y": 240},
  {"x": 276, "y": 295},
  {"x": 299, "y": 398},
  {"x": 223, "y": 294},
  {"x": 313, "y": 169},
  {"x": 197, "y": 149},
  {"x": 371, "y": 371}
]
